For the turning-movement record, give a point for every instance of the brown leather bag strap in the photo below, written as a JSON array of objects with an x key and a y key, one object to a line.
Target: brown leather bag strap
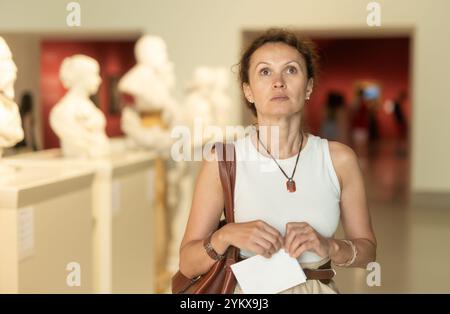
[
  {"x": 227, "y": 169},
  {"x": 220, "y": 278}
]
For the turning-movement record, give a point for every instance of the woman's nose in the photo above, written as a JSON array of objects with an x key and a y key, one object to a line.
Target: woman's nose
[{"x": 279, "y": 82}]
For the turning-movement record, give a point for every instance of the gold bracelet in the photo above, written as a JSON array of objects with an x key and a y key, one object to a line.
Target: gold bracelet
[{"x": 355, "y": 254}]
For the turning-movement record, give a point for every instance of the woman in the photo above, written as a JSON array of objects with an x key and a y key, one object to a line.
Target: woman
[{"x": 296, "y": 208}]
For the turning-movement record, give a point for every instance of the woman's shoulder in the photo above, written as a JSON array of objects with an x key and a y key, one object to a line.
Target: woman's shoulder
[
  {"x": 344, "y": 158},
  {"x": 340, "y": 150}
]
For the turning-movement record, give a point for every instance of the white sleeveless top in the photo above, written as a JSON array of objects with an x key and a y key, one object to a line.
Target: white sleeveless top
[{"x": 261, "y": 193}]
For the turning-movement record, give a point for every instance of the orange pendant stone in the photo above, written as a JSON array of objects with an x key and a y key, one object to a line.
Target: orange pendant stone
[{"x": 290, "y": 184}]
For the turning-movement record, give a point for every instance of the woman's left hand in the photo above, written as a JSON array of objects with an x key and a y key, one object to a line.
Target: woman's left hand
[{"x": 301, "y": 237}]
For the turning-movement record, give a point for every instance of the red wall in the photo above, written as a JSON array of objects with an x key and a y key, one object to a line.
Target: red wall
[
  {"x": 345, "y": 61},
  {"x": 115, "y": 59}
]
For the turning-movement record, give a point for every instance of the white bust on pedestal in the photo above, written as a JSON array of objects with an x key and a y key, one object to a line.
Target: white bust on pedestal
[
  {"x": 207, "y": 103},
  {"x": 79, "y": 124},
  {"x": 148, "y": 124},
  {"x": 150, "y": 83},
  {"x": 10, "y": 124}
]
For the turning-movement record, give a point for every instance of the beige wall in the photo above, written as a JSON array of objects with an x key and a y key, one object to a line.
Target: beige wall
[{"x": 208, "y": 32}]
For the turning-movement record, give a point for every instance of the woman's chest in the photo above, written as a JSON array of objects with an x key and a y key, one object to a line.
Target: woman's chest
[{"x": 268, "y": 199}]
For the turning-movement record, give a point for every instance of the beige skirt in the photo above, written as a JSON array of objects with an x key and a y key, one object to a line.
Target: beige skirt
[{"x": 310, "y": 286}]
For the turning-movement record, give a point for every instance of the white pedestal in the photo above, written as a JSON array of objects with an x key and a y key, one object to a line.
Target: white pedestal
[
  {"x": 123, "y": 234},
  {"x": 46, "y": 230}
]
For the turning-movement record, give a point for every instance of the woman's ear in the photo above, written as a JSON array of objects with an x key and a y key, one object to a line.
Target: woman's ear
[
  {"x": 248, "y": 92},
  {"x": 309, "y": 88}
]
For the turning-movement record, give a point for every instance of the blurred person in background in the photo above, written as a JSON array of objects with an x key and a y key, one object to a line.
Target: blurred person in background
[
  {"x": 335, "y": 124},
  {"x": 402, "y": 124},
  {"x": 28, "y": 123}
]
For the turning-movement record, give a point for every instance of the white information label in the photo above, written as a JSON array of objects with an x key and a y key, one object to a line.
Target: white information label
[{"x": 26, "y": 232}]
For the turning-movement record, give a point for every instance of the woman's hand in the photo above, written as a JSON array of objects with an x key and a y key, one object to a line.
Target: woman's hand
[
  {"x": 254, "y": 236},
  {"x": 301, "y": 237}
]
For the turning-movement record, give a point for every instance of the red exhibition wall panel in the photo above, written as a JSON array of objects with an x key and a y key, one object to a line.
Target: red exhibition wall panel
[
  {"x": 115, "y": 59},
  {"x": 346, "y": 61}
]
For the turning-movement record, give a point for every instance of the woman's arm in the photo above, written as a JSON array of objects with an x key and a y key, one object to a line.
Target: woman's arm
[
  {"x": 355, "y": 216},
  {"x": 206, "y": 210}
]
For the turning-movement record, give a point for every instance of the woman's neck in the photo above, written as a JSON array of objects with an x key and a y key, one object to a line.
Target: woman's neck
[{"x": 281, "y": 136}]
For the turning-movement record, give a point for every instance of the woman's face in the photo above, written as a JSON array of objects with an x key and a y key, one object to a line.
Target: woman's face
[{"x": 278, "y": 83}]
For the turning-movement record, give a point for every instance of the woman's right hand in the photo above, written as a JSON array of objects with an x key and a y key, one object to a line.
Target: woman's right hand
[{"x": 255, "y": 236}]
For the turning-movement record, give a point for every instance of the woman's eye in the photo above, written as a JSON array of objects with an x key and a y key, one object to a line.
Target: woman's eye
[
  {"x": 292, "y": 70},
  {"x": 264, "y": 71}
]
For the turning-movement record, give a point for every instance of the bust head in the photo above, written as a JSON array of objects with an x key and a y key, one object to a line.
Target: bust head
[
  {"x": 80, "y": 72},
  {"x": 8, "y": 70},
  {"x": 203, "y": 79},
  {"x": 151, "y": 51}
]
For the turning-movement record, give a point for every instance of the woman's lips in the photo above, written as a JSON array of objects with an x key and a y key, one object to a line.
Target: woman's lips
[{"x": 279, "y": 98}]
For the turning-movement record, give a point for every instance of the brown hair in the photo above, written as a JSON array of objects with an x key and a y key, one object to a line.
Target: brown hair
[{"x": 304, "y": 46}]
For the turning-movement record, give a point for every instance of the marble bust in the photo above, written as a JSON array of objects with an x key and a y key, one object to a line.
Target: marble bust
[
  {"x": 79, "y": 124},
  {"x": 150, "y": 83},
  {"x": 11, "y": 131}
]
